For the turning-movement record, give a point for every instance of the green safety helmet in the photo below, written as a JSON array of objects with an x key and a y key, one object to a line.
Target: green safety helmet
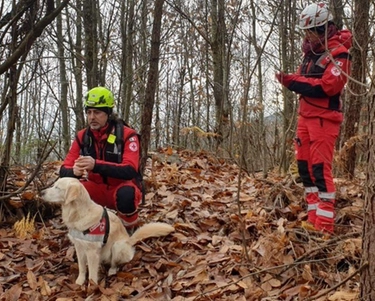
[{"x": 99, "y": 98}]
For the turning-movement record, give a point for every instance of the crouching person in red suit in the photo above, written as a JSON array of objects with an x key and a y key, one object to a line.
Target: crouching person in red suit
[{"x": 107, "y": 164}]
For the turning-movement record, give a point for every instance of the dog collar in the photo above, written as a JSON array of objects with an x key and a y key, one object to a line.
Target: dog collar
[{"x": 98, "y": 232}]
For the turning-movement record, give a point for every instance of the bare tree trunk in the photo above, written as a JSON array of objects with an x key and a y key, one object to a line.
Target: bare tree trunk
[
  {"x": 177, "y": 110},
  {"x": 152, "y": 81},
  {"x": 127, "y": 31},
  {"x": 288, "y": 19},
  {"x": 11, "y": 125},
  {"x": 338, "y": 12},
  {"x": 103, "y": 44},
  {"x": 219, "y": 58},
  {"x": 76, "y": 61},
  {"x": 17, "y": 154},
  {"x": 141, "y": 61},
  {"x": 158, "y": 141},
  {"x": 91, "y": 45},
  {"x": 33, "y": 27},
  {"x": 169, "y": 113},
  {"x": 207, "y": 80},
  {"x": 64, "y": 110},
  {"x": 368, "y": 236},
  {"x": 355, "y": 99},
  {"x": 194, "y": 103},
  {"x": 21, "y": 41},
  {"x": 261, "y": 129}
]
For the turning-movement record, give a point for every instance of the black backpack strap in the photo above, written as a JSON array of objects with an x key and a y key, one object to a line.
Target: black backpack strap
[
  {"x": 119, "y": 132},
  {"x": 85, "y": 144}
]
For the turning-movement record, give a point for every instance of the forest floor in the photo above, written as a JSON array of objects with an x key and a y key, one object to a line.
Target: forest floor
[{"x": 252, "y": 245}]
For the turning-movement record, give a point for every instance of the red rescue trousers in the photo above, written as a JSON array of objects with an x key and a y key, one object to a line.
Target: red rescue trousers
[
  {"x": 314, "y": 144},
  {"x": 113, "y": 197}
]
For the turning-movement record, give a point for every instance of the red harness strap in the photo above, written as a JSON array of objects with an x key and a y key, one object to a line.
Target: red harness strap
[{"x": 98, "y": 232}]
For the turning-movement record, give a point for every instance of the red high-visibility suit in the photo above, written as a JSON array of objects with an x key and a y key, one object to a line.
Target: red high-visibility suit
[
  {"x": 320, "y": 80},
  {"x": 110, "y": 184}
]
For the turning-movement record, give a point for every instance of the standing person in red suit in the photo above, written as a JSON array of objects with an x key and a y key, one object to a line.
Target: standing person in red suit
[
  {"x": 319, "y": 82},
  {"x": 105, "y": 156}
]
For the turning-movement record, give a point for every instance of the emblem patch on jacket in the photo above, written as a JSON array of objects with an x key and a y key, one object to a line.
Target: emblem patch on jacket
[
  {"x": 133, "y": 147},
  {"x": 335, "y": 71}
]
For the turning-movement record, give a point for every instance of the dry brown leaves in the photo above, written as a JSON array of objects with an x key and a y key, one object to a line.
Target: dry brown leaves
[{"x": 251, "y": 245}]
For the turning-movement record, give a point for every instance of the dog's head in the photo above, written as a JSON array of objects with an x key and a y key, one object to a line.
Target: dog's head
[{"x": 64, "y": 191}]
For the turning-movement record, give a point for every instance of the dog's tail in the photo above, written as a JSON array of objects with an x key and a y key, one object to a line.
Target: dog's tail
[{"x": 150, "y": 230}]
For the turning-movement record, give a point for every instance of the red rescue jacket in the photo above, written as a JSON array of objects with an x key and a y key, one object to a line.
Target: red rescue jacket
[
  {"x": 321, "y": 78},
  {"x": 102, "y": 148}
]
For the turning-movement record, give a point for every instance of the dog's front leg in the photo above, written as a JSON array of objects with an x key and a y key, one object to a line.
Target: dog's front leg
[
  {"x": 93, "y": 261},
  {"x": 82, "y": 263}
]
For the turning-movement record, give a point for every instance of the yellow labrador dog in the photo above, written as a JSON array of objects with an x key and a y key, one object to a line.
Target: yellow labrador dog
[{"x": 97, "y": 234}]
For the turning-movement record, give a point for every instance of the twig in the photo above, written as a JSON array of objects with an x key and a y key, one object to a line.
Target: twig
[
  {"x": 325, "y": 245},
  {"x": 264, "y": 271},
  {"x": 339, "y": 284},
  {"x": 147, "y": 288}
]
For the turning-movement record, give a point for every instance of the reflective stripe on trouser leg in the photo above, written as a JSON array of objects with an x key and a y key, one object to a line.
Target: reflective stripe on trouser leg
[
  {"x": 312, "y": 189},
  {"x": 325, "y": 215},
  {"x": 312, "y": 207},
  {"x": 312, "y": 199},
  {"x": 328, "y": 196},
  {"x": 130, "y": 219}
]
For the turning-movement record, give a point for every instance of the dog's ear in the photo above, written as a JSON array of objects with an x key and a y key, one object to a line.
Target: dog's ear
[{"x": 72, "y": 192}]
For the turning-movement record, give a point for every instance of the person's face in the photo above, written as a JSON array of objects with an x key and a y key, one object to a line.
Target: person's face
[
  {"x": 312, "y": 35},
  {"x": 96, "y": 119}
]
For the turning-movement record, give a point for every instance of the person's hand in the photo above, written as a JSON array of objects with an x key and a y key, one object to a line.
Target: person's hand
[
  {"x": 279, "y": 76},
  {"x": 77, "y": 170},
  {"x": 284, "y": 79},
  {"x": 85, "y": 163}
]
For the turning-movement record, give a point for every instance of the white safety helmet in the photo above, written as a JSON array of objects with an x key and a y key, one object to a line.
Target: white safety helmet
[{"x": 314, "y": 15}]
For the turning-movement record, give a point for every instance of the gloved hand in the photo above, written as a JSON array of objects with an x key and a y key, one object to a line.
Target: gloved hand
[{"x": 284, "y": 79}]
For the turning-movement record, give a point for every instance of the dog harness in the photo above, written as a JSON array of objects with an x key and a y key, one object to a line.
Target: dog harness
[{"x": 96, "y": 233}]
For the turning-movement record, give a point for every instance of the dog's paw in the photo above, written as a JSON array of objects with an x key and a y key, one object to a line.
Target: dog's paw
[
  {"x": 112, "y": 271},
  {"x": 80, "y": 280}
]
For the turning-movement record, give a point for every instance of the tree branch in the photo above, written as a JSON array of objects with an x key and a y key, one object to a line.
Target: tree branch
[{"x": 30, "y": 38}]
